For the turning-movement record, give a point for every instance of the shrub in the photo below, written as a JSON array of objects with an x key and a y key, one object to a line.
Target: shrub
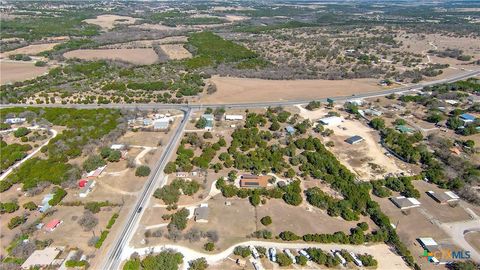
[
  {"x": 30, "y": 206},
  {"x": 112, "y": 221},
  {"x": 198, "y": 264},
  {"x": 114, "y": 156},
  {"x": 284, "y": 260},
  {"x": 209, "y": 246},
  {"x": 142, "y": 171},
  {"x": 102, "y": 238},
  {"x": 20, "y": 132},
  {"x": 57, "y": 196},
  {"x": 8, "y": 207},
  {"x": 266, "y": 220},
  {"x": 242, "y": 251},
  {"x": 16, "y": 221}
]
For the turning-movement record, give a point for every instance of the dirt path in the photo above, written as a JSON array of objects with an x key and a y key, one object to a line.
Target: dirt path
[
  {"x": 381, "y": 252},
  {"x": 16, "y": 165}
]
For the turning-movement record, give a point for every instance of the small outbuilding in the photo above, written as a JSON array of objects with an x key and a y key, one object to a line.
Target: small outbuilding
[
  {"x": 355, "y": 139},
  {"x": 467, "y": 118},
  {"x": 404, "y": 129},
  {"x": 117, "y": 146},
  {"x": 403, "y": 202},
  {"x": 233, "y": 117},
  {"x": 290, "y": 130},
  {"x": 443, "y": 197},
  {"x": 15, "y": 120},
  {"x": 53, "y": 224},
  {"x": 201, "y": 213}
]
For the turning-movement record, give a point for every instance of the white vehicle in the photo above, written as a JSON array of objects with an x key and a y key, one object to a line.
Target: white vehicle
[
  {"x": 273, "y": 254},
  {"x": 303, "y": 252},
  {"x": 289, "y": 254},
  {"x": 340, "y": 257},
  {"x": 356, "y": 260},
  {"x": 254, "y": 252}
]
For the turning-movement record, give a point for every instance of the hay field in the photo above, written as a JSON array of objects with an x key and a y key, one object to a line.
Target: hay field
[
  {"x": 232, "y": 90},
  {"x": 108, "y": 21},
  {"x": 19, "y": 71},
  {"x": 175, "y": 51},
  {"x": 31, "y": 49},
  {"x": 135, "y": 56}
]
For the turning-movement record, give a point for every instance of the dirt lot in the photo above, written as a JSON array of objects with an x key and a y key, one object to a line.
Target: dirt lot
[
  {"x": 135, "y": 56},
  {"x": 31, "y": 49},
  {"x": 108, "y": 21},
  {"x": 231, "y": 90},
  {"x": 19, "y": 71},
  {"x": 175, "y": 51},
  {"x": 474, "y": 239}
]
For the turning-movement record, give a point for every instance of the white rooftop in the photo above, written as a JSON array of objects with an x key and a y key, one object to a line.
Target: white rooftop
[
  {"x": 42, "y": 257},
  {"x": 414, "y": 201},
  {"x": 428, "y": 241}
]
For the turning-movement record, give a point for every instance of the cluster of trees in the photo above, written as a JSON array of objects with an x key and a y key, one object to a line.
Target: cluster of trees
[
  {"x": 210, "y": 49},
  {"x": 178, "y": 220},
  {"x": 167, "y": 259},
  {"x": 171, "y": 193},
  {"x": 142, "y": 171},
  {"x": 323, "y": 258},
  {"x": 9, "y": 207},
  {"x": 58, "y": 195},
  {"x": 83, "y": 127},
  {"x": 313, "y": 105},
  {"x": 401, "y": 184},
  {"x": 11, "y": 153},
  {"x": 334, "y": 207}
]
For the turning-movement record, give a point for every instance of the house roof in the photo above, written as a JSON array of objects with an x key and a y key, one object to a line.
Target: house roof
[
  {"x": 201, "y": 213},
  {"x": 42, "y": 257},
  {"x": 443, "y": 197},
  {"x": 402, "y": 202},
  {"x": 403, "y": 129},
  {"x": 290, "y": 129},
  {"x": 208, "y": 116},
  {"x": 52, "y": 224},
  {"x": 254, "y": 181},
  {"x": 467, "y": 116},
  {"x": 331, "y": 119},
  {"x": 427, "y": 241}
]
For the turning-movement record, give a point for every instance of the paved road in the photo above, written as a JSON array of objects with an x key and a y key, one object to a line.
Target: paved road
[
  {"x": 114, "y": 256},
  {"x": 149, "y": 106}
]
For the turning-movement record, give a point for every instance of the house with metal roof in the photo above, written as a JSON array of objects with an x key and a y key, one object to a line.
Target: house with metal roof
[
  {"x": 161, "y": 124},
  {"x": 200, "y": 214},
  {"x": 209, "y": 118},
  {"x": 355, "y": 139},
  {"x": 87, "y": 188},
  {"x": 331, "y": 120},
  {"x": 467, "y": 118},
  {"x": 403, "y": 202},
  {"x": 404, "y": 129},
  {"x": 443, "y": 197},
  {"x": 290, "y": 130},
  {"x": 45, "y": 203}
]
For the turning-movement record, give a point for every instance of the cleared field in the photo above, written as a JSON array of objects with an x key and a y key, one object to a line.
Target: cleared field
[
  {"x": 31, "y": 49},
  {"x": 109, "y": 21},
  {"x": 175, "y": 51},
  {"x": 134, "y": 56},
  {"x": 230, "y": 89},
  {"x": 19, "y": 71}
]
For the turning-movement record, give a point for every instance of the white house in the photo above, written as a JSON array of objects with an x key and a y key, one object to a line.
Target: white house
[
  {"x": 87, "y": 188},
  {"x": 233, "y": 117},
  {"x": 15, "y": 120},
  {"x": 331, "y": 120}
]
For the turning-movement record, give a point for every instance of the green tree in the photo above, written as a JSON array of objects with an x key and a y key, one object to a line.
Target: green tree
[
  {"x": 201, "y": 123},
  {"x": 284, "y": 260},
  {"x": 93, "y": 162},
  {"x": 8, "y": 207},
  {"x": 114, "y": 156},
  {"x": 198, "y": 264},
  {"x": 209, "y": 246},
  {"x": 20, "y": 132},
  {"x": 266, "y": 220},
  {"x": 142, "y": 171},
  {"x": 377, "y": 123},
  {"x": 30, "y": 206}
]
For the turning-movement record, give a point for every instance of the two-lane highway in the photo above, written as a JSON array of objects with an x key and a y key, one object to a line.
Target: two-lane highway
[{"x": 155, "y": 180}]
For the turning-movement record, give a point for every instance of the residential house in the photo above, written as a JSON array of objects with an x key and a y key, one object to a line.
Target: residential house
[
  {"x": 253, "y": 181},
  {"x": 233, "y": 117},
  {"x": 331, "y": 120},
  {"x": 96, "y": 172},
  {"x": 355, "y": 139},
  {"x": 15, "y": 120},
  {"x": 53, "y": 224},
  {"x": 404, "y": 129},
  {"x": 403, "y": 202},
  {"x": 467, "y": 118},
  {"x": 209, "y": 119},
  {"x": 45, "y": 205},
  {"x": 161, "y": 124},
  {"x": 443, "y": 197},
  {"x": 87, "y": 188}
]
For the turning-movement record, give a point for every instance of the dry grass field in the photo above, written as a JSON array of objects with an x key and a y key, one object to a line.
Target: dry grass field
[
  {"x": 18, "y": 71},
  {"x": 108, "y": 21},
  {"x": 231, "y": 90},
  {"x": 31, "y": 49},
  {"x": 175, "y": 51},
  {"x": 135, "y": 56}
]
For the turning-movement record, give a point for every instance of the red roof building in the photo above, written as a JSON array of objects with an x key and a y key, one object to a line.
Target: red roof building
[
  {"x": 82, "y": 183},
  {"x": 53, "y": 224}
]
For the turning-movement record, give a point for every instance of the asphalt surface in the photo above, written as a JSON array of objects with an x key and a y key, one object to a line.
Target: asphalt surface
[
  {"x": 113, "y": 259},
  {"x": 150, "y": 106}
]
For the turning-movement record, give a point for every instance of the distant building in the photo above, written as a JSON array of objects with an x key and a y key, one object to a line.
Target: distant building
[
  {"x": 372, "y": 112},
  {"x": 233, "y": 117},
  {"x": 209, "y": 119},
  {"x": 201, "y": 213},
  {"x": 451, "y": 101},
  {"x": 467, "y": 118},
  {"x": 290, "y": 130},
  {"x": 161, "y": 124},
  {"x": 332, "y": 120},
  {"x": 42, "y": 258},
  {"x": 87, "y": 188},
  {"x": 403, "y": 202},
  {"x": 147, "y": 122},
  {"x": 53, "y": 224},
  {"x": 253, "y": 181},
  {"x": 15, "y": 120},
  {"x": 355, "y": 139},
  {"x": 117, "y": 146},
  {"x": 96, "y": 172},
  {"x": 443, "y": 197},
  {"x": 357, "y": 102},
  {"x": 428, "y": 244},
  {"x": 474, "y": 98},
  {"x": 404, "y": 129},
  {"x": 45, "y": 203}
]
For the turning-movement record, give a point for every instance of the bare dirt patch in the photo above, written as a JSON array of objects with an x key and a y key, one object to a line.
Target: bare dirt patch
[
  {"x": 19, "y": 71},
  {"x": 108, "y": 21},
  {"x": 175, "y": 51},
  {"x": 230, "y": 90},
  {"x": 135, "y": 56}
]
